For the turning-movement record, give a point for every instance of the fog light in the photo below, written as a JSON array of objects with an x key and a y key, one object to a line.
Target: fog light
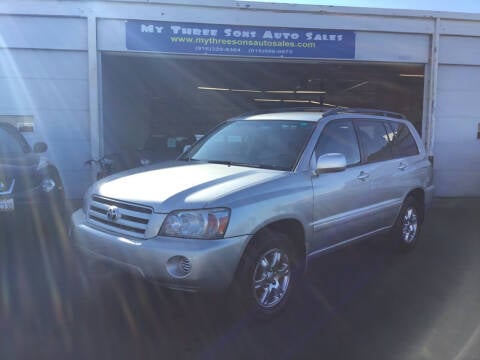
[
  {"x": 48, "y": 184},
  {"x": 179, "y": 266}
]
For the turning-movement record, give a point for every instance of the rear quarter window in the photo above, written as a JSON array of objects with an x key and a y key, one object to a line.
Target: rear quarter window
[
  {"x": 403, "y": 142},
  {"x": 375, "y": 140}
]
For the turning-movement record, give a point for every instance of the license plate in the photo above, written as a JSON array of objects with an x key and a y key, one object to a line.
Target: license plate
[{"x": 7, "y": 205}]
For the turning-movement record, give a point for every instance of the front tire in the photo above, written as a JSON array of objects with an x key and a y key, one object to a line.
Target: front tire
[
  {"x": 408, "y": 225},
  {"x": 267, "y": 275}
]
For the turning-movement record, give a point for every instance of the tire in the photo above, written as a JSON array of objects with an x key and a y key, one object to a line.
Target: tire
[
  {"x": 408, "y": 225},
  {"x": 267, "y": 275}
]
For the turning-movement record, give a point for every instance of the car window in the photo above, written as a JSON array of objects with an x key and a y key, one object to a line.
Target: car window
[
  {"x": 275, "y": 144},
  {"x": 339, "y": 137},
  {"x": 376, "y": 143},
  {"x": 403, "y": 143},
  {"x": 9, "y": 144}
]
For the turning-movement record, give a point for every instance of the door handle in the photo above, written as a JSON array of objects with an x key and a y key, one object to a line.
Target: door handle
[
  {"x": 402, "y": 166},
  {"x": 363, "y": 176}
]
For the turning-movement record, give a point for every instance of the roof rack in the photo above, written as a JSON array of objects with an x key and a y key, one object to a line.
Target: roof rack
[
  {"x": 322, "y": 109},
  {"x": 366, "y": 112}
]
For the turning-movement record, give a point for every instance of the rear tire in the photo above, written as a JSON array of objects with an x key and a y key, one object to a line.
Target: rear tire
[
  {"x": 408, "y": 225},
  {"x": 267, "y": 275}
]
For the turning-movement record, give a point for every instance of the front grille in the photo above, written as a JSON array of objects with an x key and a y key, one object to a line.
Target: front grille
[{"x": 125, "y": 218}]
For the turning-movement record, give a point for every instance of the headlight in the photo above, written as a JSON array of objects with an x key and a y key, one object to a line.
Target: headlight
[
  {"x": 48, "y": 184},
  {"x": 198, "y": 224}
]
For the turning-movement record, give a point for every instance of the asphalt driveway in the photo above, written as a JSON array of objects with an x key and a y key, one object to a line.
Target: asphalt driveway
[{"x": 363, "y": 302}]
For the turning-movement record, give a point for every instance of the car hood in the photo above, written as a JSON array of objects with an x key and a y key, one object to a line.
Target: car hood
[{"x": 181, "y": 185}]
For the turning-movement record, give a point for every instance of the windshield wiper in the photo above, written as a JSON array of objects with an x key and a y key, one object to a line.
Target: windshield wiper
[
  {"x": 222, "y": 162},
  {"x": 257, "y": 166}
]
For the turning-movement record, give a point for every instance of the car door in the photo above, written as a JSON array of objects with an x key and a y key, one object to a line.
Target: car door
[
  {"x": 339, "y": 197},
  {"x": 382, "y": 169},
  {"x": 405, "y": 166}
]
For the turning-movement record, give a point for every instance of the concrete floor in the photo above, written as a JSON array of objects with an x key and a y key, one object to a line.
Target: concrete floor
[{"x": 364, "y": 302}]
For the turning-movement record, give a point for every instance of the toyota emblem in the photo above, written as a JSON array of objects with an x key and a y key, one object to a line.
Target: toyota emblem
[{"x": 113, "y": 213}]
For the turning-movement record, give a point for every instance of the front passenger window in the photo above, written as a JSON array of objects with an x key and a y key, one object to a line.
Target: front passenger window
[{"x": 339, "y": 137}]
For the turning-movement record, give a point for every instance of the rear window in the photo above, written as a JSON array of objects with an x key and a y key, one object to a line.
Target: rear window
[{"x": 403, "y": 143}]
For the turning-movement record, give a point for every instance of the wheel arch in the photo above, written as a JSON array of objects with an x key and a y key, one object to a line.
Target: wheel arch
[
  {"x": 292, "y": 228},
  {"x": 419, "y": 195}
]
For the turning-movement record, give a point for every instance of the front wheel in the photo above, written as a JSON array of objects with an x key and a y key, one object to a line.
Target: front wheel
[
  {"x": 408, "y": 224},
  {"x": 267, "y": 275}
]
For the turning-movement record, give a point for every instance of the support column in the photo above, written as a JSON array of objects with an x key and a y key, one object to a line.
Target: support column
[
  {"x": 93, "y": 90},
  {"x": 432, "y": 93}
]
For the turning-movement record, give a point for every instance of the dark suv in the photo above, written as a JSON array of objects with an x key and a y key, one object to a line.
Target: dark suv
[{"x": 29, "y": 184}]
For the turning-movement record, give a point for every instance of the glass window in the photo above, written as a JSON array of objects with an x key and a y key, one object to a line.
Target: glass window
[
  {"x": 339, "y": 137},
  {"x": 274, "y": 144},
  {"x": 375, "y": 141},
  {"x": 403, "y": 142}
]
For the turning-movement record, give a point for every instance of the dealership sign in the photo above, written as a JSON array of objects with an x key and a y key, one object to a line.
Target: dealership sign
[{"x": 225, "y": 40}]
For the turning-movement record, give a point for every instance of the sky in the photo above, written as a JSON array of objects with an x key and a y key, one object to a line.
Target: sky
[{"x": 469, "y": 6}]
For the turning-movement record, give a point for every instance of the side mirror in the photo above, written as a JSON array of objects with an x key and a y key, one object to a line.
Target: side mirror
[
  {"x": 40, "y": 147},
  {"x": 186, "y": 148},
  {"x": 332, "y": 162}
]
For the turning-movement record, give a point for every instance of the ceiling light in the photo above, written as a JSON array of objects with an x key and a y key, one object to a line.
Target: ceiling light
[
  {"x": 267, "y": 100},
  {"x": 297, "y": 101},
  {"x": 212, "y": 88},
  {"x": 280, "y": 91},
  {"x": 356, "y": 86},
  {"x": 246, "y": 90},
  {"x": 327, "y": 104},
  {"x": 310, "y": 92},
  {"x": 412, "y": 75}
]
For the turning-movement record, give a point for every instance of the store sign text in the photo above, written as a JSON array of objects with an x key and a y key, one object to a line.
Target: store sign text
[{"x": 207, "y": 39}]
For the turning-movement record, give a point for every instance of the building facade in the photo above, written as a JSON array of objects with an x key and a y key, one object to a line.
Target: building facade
[{"x": 91, "y": 76}]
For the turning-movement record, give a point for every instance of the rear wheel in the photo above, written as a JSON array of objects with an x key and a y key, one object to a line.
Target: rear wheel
[
  {"x": 267, "y": 275},
  {"x": 408, "y": 224}
]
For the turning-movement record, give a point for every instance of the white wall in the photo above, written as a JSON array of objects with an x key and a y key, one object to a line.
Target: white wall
[
  {"x": 457, "y": 149},
  {"x": 44, "y": 68},
  {"x": 50, "y": 85}
]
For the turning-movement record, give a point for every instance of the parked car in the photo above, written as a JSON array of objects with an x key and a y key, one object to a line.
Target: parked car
[
  {"x": 30, "y": 185},
  {"x": 252, "y": 202},
  {"x": 161, "y": 147}
]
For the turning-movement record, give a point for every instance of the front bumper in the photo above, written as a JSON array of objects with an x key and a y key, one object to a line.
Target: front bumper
[
  {"x": 34, "y": 206},
  {"x": 212, "y": 263}
]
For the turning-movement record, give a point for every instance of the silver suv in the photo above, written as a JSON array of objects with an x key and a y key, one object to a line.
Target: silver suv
[{"x": 249, "y": 205}]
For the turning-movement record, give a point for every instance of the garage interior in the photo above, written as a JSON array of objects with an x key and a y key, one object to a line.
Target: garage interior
[{"x": 178, "y": 98}]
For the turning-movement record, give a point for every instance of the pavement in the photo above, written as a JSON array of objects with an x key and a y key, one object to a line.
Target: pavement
[{"x": 366, "y": 301}]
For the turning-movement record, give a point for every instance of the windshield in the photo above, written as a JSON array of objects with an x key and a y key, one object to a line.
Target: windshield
[
  {"x": 272, "y": 144},
  {"x": 11, "y": 144}
]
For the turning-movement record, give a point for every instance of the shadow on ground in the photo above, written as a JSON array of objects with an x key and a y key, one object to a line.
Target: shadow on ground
[{"x": 362, "y": 302}]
